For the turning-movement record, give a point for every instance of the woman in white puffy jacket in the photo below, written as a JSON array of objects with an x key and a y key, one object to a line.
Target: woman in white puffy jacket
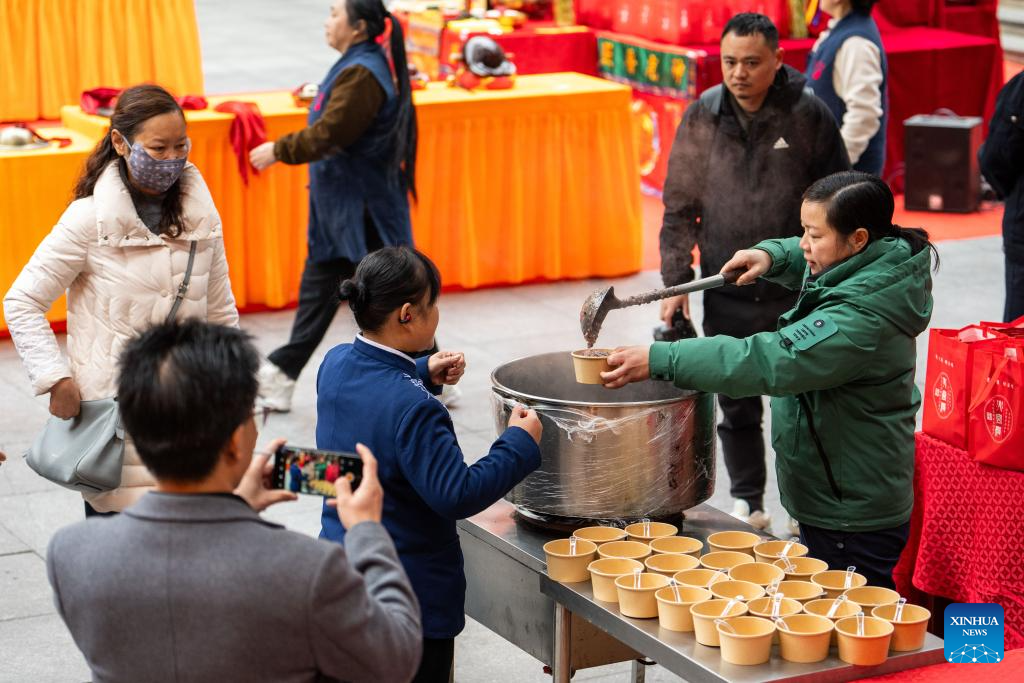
[{"x": 120, "y": 251}]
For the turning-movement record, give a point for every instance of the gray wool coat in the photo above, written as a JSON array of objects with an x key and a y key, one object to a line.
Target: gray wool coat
[{"x": 200, "y": 588}]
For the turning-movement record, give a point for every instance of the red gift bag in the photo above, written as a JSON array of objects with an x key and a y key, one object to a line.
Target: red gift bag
[
  {"x": 995, "y": 434},
  {"x": 948, "y": 381}
]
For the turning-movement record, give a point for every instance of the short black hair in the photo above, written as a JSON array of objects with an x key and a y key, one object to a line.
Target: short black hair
[
  {"x": 749, "y": 23},
  {"x": 864, "y": 6},
  {"x": 387, "y": 279},
  {"x": 183, "y": 390}
]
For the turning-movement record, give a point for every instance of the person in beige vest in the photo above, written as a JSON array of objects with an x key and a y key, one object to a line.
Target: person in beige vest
[{"x": 120, "y": 251}]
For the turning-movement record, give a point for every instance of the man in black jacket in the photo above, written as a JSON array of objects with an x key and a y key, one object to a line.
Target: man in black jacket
[
  {"x": 1002, "y": 163},
  {"x": 742, "y": 158}
]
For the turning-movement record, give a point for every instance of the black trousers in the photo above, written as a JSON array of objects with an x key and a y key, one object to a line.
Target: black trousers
[
  {"x": 873, "y": 553},
  {"x": 740, "y": 430},
  {"x": 1014, "y": 291},
  {"x": 318, "y": 303},
  {"x": 438, "y": 657}
]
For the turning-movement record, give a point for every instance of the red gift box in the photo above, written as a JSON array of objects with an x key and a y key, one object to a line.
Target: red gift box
[
  {"x": 948, "y": 380},
  {"x": 995, "y": 435}
]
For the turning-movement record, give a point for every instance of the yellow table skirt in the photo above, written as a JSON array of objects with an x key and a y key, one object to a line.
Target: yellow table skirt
[
  {"x": 35, "y": 188},
  {"x": 534, "y": 183},
  {"x": 52, "y": 50}
]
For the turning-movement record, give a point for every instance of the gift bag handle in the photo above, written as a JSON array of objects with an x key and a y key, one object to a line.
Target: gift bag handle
[{"x": 990, "y": 383}]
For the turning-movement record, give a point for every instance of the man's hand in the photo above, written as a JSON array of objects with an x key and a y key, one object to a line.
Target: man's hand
[
  {"x": 367, "y": 503},
  {"x": 630, "y": 363},
  {"x": 255, "y": 484},
  {"x": 446, "y": 367},
  {"x": 262, "y": 156},
  {"x": 65, "y": 399},
  {"x": 754, "y": 262},
  {"x": 527, "y": 419},
  {"x": 672, "y": 304}
]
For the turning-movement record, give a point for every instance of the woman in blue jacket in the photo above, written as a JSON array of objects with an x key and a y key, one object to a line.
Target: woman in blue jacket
[
  {"x": 373, "y": 391},
  {"x": 360, "y": 145}
]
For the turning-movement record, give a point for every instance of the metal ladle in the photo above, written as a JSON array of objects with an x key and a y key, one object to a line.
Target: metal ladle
[{"x": 598, "y": 304}]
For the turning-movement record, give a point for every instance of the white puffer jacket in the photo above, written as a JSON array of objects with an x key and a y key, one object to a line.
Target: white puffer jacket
[{"x": 120, "y": 280}]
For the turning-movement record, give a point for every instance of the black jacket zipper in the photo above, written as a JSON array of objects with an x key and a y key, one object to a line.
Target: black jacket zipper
[{"x": 821, "y": 450}]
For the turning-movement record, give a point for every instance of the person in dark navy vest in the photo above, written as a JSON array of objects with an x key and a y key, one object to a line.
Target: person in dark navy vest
[
  {"x": 847, "y": 69},
  {"x": 360, "y": 145}
]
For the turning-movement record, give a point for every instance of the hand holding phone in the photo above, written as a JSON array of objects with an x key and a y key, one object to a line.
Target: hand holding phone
[
  {"x": 257, "y": 486},
  {"x": 366, "y": 504}
]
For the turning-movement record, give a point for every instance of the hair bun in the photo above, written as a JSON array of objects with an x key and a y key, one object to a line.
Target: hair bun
[{"x": 354, "y": 292}]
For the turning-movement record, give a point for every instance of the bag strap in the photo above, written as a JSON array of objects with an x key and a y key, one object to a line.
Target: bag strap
[
  {"x": 990, "y": 382},
  {"x": 183, "y": 287}
]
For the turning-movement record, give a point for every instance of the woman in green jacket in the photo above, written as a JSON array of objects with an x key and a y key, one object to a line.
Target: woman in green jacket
[{"x": 840, "y": 369}]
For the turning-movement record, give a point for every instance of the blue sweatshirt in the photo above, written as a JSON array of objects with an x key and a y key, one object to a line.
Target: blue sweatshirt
[{"x": 377, "y": 396}]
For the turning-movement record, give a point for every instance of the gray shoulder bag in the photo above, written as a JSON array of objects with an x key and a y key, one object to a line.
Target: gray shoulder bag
[{"x": 85, "y": 453}]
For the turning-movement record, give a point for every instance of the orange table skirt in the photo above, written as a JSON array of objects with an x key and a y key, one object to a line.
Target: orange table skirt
[
  {"x": 52, "y": 50},
  {"x": 35, "y": 188},
  {"x": 536, "y": 182}
]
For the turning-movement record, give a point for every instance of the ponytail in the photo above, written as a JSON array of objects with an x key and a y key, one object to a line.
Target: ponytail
[
  {"x": 407, "y": 130},
  {"x": 98, "y": 160},
  {"x": 918, "y": 239},
  {"x": 404, "y": 131}
]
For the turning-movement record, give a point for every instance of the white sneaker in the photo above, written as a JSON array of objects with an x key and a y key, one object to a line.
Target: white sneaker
[
  {"x": 761, "y": 520},
  {"x": 740, "y": 510},
  {"x": 276, "y": 388},
  {"x": 450, "y": 395}
]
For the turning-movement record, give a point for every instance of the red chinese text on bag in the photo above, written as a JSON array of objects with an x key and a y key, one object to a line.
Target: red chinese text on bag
[
  {"x": 948, "y": 381},
  {"x": 996, "y": 413}
]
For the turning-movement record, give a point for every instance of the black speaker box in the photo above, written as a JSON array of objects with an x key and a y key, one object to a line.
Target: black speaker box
[{"x": 941, "y": 154}]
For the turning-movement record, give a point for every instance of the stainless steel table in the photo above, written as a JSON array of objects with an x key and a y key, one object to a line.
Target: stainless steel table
[{"x": 563, "y": 626}]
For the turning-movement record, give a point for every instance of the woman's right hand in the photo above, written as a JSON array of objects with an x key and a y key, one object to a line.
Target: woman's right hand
[
  {"x": 65, "y": 399},
  {"x": 753, "y": 262},
  {"x": 527, "y": 420},
  {"x": 367, "y": 503}
]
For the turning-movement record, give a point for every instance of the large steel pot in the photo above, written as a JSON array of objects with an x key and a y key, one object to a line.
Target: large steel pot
[{"x": 646, "y": 450}]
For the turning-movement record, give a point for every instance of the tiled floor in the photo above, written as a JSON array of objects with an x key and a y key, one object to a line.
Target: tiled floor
[{"x": 266, "y": 44}]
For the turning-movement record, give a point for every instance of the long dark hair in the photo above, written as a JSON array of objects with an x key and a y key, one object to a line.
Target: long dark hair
[
  {"x": 135, "y": 106},
  {"x": 861, "y": 200},
  {"x": 374, "y": 13},
  {"x": 386, "y": 280}
]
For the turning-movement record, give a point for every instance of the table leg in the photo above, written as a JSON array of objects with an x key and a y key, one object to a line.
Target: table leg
[
  {"x": 637, "y": 672},
  {"x": 561, "y": 666}
]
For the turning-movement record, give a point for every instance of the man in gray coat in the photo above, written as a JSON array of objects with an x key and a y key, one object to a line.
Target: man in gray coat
[{"x": 190, "y": 584}]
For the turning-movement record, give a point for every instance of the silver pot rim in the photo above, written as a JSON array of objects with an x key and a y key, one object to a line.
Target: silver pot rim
[{"x": 511, "y": 393}]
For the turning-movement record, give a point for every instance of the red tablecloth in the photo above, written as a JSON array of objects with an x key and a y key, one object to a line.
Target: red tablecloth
[
  {"x": 967, "y": 533},
  {"x": 538, "y": 48},
  {"x": 929, "y": 69},
  {"x": 1010, "y": 669}
]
